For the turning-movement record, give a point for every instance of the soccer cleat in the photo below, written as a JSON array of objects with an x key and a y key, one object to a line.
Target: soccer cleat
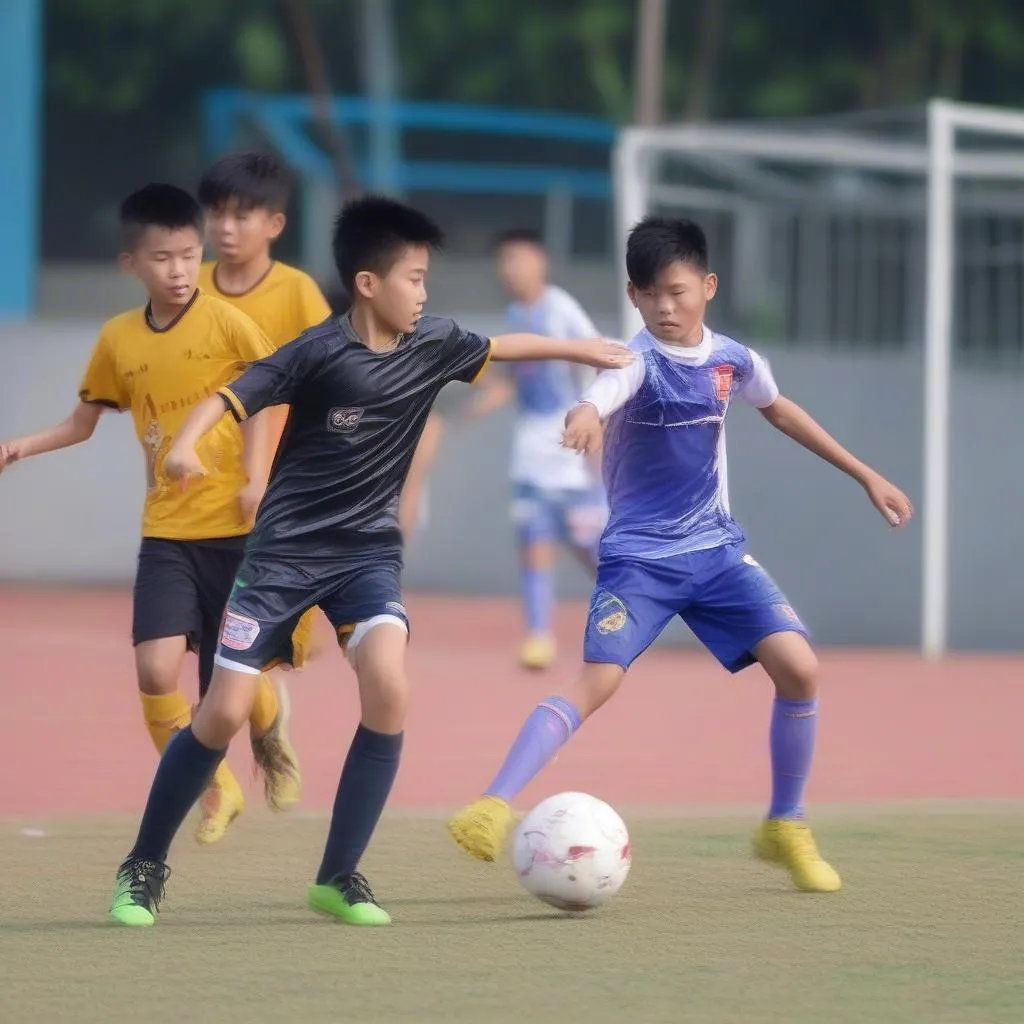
[
  {"x": 138, "y": 892},
  {"x": 788, "y": 843},
  {"x": 537, "y": 652},
  {"x": 349, "y": 900},
  {"x": 219, "y": 806},
  {"x": 482, "y": 828},
  {"x": 275, "y": 757}
]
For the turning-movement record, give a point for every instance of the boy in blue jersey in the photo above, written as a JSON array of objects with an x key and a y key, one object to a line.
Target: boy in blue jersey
[
  {"x": 672, "y": 548},
  {"x": 557, "y": 499}
]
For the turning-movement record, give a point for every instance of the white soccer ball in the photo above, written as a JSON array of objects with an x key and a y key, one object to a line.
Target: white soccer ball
[{"x": 572, "y": 851}]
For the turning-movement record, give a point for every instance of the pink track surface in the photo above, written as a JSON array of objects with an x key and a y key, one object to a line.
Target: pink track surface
[{"x": 682, "y": 731}]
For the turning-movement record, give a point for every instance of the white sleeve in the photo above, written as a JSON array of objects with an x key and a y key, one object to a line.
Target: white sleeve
[
  {"x": 614, "y": 388},
  {"x": 759, "y": 389}
]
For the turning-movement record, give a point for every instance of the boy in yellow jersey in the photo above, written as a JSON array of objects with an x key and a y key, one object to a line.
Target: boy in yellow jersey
[
  {"x": 244, "y": 197},
  {"x": 157, "y": 363}
]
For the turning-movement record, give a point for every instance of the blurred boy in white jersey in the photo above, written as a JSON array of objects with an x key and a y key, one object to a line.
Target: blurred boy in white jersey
[{"x": 557, "y": 497}]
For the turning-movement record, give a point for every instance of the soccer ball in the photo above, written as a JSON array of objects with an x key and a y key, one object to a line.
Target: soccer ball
[{"x": 572, "y": 852}]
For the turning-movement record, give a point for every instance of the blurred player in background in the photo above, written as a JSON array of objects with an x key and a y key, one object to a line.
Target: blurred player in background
[
  {"x": 245, "y": 197},
  {"x": 360, "y": 387},
  {"x": 672, "y": 548},
  {"x": 557, "y": 499},
  {"x": 157, "y": 363}
]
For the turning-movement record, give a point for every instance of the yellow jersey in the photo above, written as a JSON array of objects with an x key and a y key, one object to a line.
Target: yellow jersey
[
  {"x": 284, "y": 303},
  {"x": 160, "y": 375}
]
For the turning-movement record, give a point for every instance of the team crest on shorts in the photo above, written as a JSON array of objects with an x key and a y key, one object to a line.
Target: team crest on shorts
[
  {"x": 343, "y": 421},
  {"x": 608, "y": 614},
  {"x": 239, "y": 632},
  {"x": 723, "y": 381}
]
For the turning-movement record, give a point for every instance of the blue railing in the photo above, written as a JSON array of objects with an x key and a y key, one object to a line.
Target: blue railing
[{"x": 284, "y": 120}]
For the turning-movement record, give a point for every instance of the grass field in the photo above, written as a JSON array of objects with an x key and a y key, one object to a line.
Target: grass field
[{"x": 927, "y": 929}]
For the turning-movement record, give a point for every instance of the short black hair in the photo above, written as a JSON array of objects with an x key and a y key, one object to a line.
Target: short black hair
[
  {"x": 372, "y": 232},
  {"x": 656, "y": 242},
  {"x": 522, "y": 236},
  {"x": 158, "y": 205},
  {"x": 255, "y": 179}
]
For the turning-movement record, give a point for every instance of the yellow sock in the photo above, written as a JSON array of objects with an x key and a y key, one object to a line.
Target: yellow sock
[
  {"x": 165, "y": 714},
  {"x": 264, "y": 711},
  {"x": 225, "y": 779}
]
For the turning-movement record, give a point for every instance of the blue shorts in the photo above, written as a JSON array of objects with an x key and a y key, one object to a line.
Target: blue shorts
[
  {"x": 355, "y": 590},
  {"x": 576, "y": 517},
  {"x": 729, "y": 602}
]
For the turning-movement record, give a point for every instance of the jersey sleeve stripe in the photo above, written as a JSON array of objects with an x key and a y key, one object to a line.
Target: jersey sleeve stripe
[
  {"x": 487, "y": 361},
  {"x": 235, "y": 407}
]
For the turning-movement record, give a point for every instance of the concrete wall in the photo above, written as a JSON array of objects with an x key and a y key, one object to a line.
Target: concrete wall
[{"x": 73, "y": 516}]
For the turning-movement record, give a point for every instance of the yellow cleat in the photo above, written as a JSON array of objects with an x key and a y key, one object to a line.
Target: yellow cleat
[
  {"x": 482, "y": 828},
  {"x": 276, "y": 758},
  {"x": 219, "y": 806},
  {"x": 537, "y": 652},
  {"x": 789, "y": 844}
]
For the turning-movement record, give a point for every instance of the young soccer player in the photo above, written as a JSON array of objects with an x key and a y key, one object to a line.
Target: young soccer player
[
  {"x": 557, "y": 499},
  {"x": 244, "y": 197},
  {"x": 158, "y": 363},
  {"x": 360, "y": 389},
  {"x": 671, "y": 547}
]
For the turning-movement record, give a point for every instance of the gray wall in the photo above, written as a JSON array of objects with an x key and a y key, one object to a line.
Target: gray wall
[{"x": 73, "y": 516}]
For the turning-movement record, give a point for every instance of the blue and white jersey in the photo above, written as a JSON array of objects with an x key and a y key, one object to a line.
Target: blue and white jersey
[
  {"x": 545, "y": 391},
  {"x": 664, "y": 445}
]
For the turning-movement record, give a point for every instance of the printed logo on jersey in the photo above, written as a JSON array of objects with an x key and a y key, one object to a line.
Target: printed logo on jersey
[
  {"x": 723, "y": 381},
  {"x": 343, "y": 421},
  {"x": 607, "y": 613},
  {"x": 788, "y": 612},
  {"x": 239, "y": 632}
]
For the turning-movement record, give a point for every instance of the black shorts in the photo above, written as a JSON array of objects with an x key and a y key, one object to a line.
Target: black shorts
[
  {"x": 181, "y": 587},
  {"x": 353, "y": 588}
]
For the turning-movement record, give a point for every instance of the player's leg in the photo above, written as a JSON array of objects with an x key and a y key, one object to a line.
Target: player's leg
[
  {"x": 536, "y": 520},
  {"x": 412, "y": 497},
  {"x": 196, "y": 751},
  {"x": 372, "y": 626},
  {"x": 630, "y": 607},
  {"x": 584, "y": 519},
  {"x": 167, "y": 620},
  {"x": 742, "y": 617},
  {"x": 217, "y": 568}
]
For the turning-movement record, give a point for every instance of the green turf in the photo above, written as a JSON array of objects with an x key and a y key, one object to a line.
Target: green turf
[{"x": 928, "y": 928}]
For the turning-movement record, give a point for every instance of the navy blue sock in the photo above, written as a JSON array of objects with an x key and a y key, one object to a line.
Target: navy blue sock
[
  {"x": 184, "y": 772},
  {"x": 366, "y": 781}
]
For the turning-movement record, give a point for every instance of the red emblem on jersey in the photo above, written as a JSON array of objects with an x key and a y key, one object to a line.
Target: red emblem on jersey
[{"x": 723, "y": 382}]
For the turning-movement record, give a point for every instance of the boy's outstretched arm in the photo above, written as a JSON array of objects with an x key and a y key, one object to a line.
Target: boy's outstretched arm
[
  {"x": 795, "y": 422},
  {"x": 78, "y": 427},
  {"x": 605, "y": 355}
]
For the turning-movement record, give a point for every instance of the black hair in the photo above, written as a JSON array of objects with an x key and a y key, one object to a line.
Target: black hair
[
  {"x": 656, "y": 242},
  {"x": 158, "y": 205},
  {"x": 372, "y": 232},
  {"x": 523, "y": 236},
  {"x": 255, "y": 179}
]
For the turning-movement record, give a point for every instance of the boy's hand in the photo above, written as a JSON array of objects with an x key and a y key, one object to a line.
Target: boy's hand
[
  {"x": 183, "y": 463},
  {"x": 894, "y": 505},
  {"x": 604, "y": 355},
  {"x": 583, "y": 431},
  {"x": 8, "y": 454},
  {"x": 249, "y": 498}
]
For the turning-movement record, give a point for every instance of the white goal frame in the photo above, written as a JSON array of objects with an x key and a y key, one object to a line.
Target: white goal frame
[{"x": 939, "y": 165}]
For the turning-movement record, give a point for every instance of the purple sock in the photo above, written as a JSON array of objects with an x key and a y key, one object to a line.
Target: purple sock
[
  {"x": 538, "y": 598},
  {"x": 548, "y": 728},
  {"x": 791, "y": 738}
]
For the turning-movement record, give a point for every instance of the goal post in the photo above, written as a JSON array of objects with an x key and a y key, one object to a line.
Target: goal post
[{"x": 784, "y": 182}]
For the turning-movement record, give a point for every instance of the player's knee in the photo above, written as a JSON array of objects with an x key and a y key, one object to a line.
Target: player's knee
[
  {"x": 379, "y": 661},
  {"x": 158, "y": 665},
  {"x": 595, "y": 685},
  {"x": 225, "y": 709},
  {"x": 790, "y": 661}
]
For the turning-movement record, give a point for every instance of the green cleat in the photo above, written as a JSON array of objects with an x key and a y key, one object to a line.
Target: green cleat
[
  {"x": 349, "y": 900},
  {"x": 138, "y": 892}
]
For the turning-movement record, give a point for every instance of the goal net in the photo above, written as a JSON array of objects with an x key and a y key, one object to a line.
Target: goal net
[{"x": 890, "y": 246}]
